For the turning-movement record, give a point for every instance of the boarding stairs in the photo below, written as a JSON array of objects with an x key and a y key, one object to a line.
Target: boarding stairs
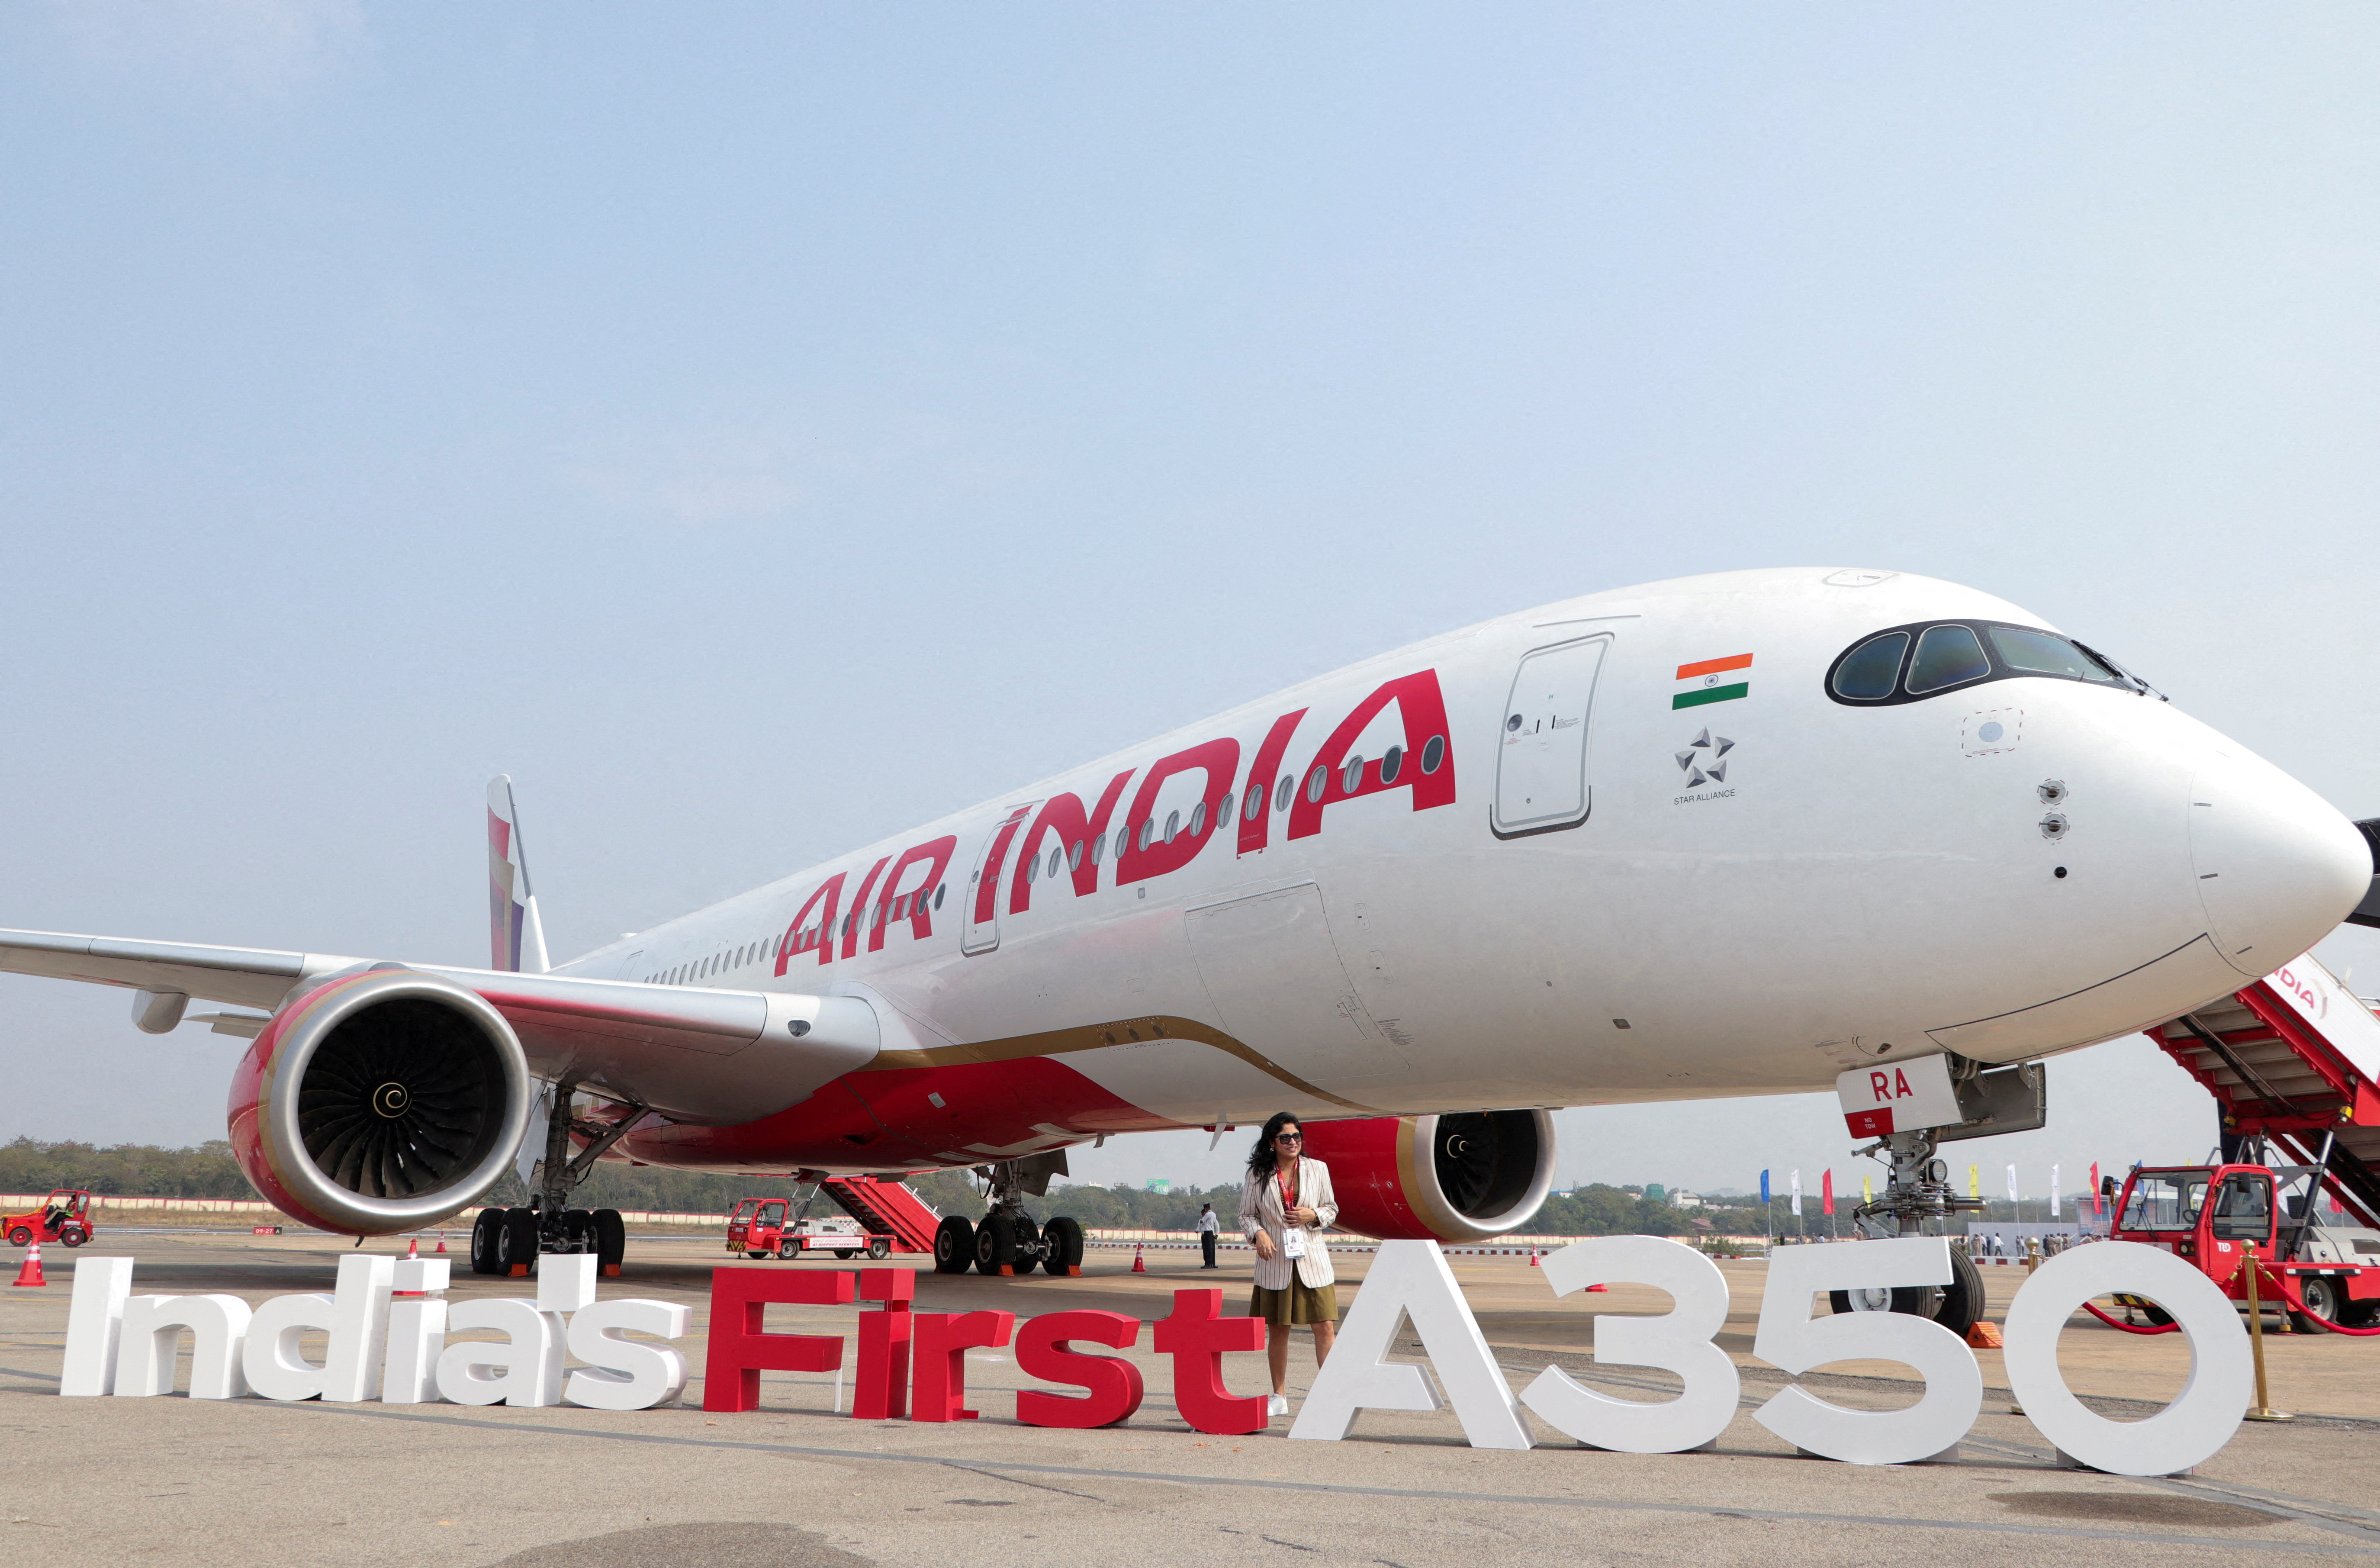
[
  {"x": 2294, "y": 1058},
  {"x": 886, "y": 1205}
]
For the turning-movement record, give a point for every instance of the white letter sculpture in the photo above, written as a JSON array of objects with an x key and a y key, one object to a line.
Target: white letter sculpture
[
  {"x": 1790, "y": 1339},
  {"x": 620, "y": 1373},
  {"x": 94, "y": 1318},
  {"x": 151, "y": 1335},
  {"x": 1410, "y": 1279},
  {"x": 2202, "y": 1417},
  {"x": 1678, "y": 1341},
  {"x": 356, "y": 1317}
]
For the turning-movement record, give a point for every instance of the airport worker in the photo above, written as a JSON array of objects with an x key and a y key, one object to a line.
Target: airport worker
[
  {"x": 1285, "y": 1205},
  {"x": 1207, "y": 1224}
]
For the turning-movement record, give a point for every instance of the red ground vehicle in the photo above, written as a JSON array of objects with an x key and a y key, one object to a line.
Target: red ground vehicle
[
  {"x": 759, "y": 1228},
  {"x": 63, "y": 1216},
  {"x": 2217, "y": 1216}
]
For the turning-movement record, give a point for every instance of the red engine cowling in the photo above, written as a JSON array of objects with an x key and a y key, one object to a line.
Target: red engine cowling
[
  {"x": 380, "y": 1101},
  {"x": 1459, "y": 1177}
]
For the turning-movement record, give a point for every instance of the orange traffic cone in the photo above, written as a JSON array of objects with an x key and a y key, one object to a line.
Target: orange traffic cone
[
  {"x": 31, "y": 1275},
  {"x": 1599, "y": 1287},
  {"x": 1139, "y": 1265},
  {"x": 412, "y": 1248},
  {"x": 442, "y": 1244},
  {"x": 1533, "y": 1258}
]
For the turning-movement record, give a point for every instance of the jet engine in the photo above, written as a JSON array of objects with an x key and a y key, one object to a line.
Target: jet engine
[
  {"x": 380, "y": 1101},
  {"x": 1459, "y": 1177}
]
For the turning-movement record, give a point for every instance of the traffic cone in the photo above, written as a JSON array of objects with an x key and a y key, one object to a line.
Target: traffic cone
[
  {"x": 1139, "y": 1266},
  {"x": 412, "y": 1248},
  {"x": 442, "y": 1244},
  {"x": 1533, "y": 1258},
  {"x": 31, "y": 1275},
  {"x": 1601, "y": 1287}
]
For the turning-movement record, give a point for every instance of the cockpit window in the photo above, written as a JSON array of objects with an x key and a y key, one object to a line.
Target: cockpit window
[
  {"x": 1872, "y": 669},
  {"x": 1913, "y": 663},
  {"x": 1947, "y": 656},
  {"x": 2045, "y": 653}
]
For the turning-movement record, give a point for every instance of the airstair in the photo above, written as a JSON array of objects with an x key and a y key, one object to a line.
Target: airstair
[
  {"x": 2295, "y": 1058},
  {"x": 885, "y": 1206}
]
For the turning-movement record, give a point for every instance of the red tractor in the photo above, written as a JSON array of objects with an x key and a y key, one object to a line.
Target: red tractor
[
  {"x": 63, "y": 1216},
  {"x": 2325, "y": 1276},
  {"x": 759, "y": 1228}
]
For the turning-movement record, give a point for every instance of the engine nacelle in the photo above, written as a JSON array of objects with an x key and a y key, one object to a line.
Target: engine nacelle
[
  {"x": 380, "y": 1101},
  {"x": 1459, "y": 1177}
]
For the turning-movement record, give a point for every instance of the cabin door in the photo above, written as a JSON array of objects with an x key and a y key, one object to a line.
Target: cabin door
[
  {"x": 983, "y": 888},
  {"x": 1541, "y": 761}
]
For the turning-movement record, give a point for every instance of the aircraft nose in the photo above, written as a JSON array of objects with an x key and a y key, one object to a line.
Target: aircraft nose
[{"x": 2277, "y": 867}]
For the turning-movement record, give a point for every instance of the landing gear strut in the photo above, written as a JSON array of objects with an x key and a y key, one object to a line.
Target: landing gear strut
[
  {"x": 1917, "y": 1189},
  {"x": 1006, "y": 1241},
  {"x": 510, "y": 1241}
]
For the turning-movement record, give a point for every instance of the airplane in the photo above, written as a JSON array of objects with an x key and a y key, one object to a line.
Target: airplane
[{"x": 1723, "y": 836}]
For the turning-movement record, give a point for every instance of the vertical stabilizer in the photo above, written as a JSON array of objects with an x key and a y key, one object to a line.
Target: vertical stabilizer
[{"x": 515, "y": 939}]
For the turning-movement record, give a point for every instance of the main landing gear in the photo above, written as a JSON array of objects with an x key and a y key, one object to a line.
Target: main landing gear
[
  {"x": 510, "y": 1241},
  {"x": 1006, "y": 1241}
]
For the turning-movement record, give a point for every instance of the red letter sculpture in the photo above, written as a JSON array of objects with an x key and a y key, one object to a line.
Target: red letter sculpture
[
  {"x": 740, "y": 1352},
  {"x": 882, "y": 1391},
  {"x": 1197, "y": 1336},
  {"x": 943, "y": 1340},
  {"x": 1042, "y": 1352}
]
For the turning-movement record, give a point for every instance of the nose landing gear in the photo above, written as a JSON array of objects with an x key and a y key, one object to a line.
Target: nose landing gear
[{"x": 1917, "y": 1189}]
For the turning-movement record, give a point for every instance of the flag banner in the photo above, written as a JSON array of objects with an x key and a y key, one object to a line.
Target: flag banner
[
  {"x": 1712, "y": 680},
  {"x": 1764, "y": 1186},
  {"x": 2012, "y": 1197},
  {"x": 1868, "y": 1189},
  {"x": 2097, "y": 1197},
  {"x": 1827, "y": 1193},
  {"x": 1797, "y": 1191},
  {"x": 1974, "y": 1180},
  {"x": 2053, "y": 1191}
]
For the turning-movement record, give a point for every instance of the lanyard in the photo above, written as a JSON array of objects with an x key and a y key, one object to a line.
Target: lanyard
[{"x": 1288, "y": 1197}]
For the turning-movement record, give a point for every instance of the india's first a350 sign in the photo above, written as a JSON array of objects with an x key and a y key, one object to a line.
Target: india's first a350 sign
[{"x": 388, "y": 1340}]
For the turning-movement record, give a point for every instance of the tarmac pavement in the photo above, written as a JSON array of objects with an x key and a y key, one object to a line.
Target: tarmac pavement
[{"x": 174, "y": 1481}]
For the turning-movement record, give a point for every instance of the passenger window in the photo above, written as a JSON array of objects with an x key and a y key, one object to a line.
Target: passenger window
[
  {"x": 1057, "y": 851},
  {"x": 1223, "y": 809},
  {"x": 1433, "y": 752},
  {"x": 1350, "y": 778},
  {"x": 938, "y": 894},
  {"x": 1173, "y": 826},
  {"x": 1197, "y": 819},
  {"x": 1098, "y": 847},
  {"x": 1872, "y": 668},
  {"x": 1075, "y": 857},
  {"x": 1391, "y": 764},
  {"x": 1947, "y": 656},
  {"x": 1252, "y": 805},
  {"x": 1315, "y": 783},
  {"x": 1032, "y": 869},
  {"x": 1281, "y": 795},
  {"x": 1148, "y": 831}
]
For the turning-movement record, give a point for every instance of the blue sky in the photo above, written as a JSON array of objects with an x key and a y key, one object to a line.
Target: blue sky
[{"x": 759, "y": 430}]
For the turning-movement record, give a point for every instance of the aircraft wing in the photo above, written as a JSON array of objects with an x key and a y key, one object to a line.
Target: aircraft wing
[{"x": 693, "y": 1052}]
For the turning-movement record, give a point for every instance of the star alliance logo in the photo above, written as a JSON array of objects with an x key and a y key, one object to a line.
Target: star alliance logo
[{"x": 1701, "y": 769}]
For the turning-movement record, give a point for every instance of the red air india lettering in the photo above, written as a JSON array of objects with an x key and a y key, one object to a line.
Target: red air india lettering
[
  {"x": 935, "y": 856},
  {"x": 829, "y": 892},
  {"x": 1422, "y": 711},
  {"x": 1255, "y": 828},
  {"x": 1064, "y": 815},
  {"x": 1220, "y": 759},
  {"x": 987, "y": 887},
  {"x": 859, "y": 907}
]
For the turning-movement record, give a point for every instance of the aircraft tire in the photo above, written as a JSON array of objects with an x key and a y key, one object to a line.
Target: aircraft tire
[
  {"x": 954, "y": 1245},
  {"x": 1064, "y": 1236},
  {"x": 610, "y": 1239},
  {"x": 1915, "y": 1300},
  {"x": 1961, "y": 1306},
  {"x": 995, "y": 1243},
  {"x": 516, "y": 1240},
  {"x": 483, "y": 1240}
]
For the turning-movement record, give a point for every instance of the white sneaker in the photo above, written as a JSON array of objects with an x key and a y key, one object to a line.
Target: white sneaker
[{"x": 1280, "y": 1405}]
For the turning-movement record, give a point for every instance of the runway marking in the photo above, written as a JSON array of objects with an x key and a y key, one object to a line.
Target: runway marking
[{"x": 1970, "y": 1527}]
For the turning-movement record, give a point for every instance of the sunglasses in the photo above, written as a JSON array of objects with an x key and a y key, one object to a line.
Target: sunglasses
[{"x": 1288, "y": 1137}]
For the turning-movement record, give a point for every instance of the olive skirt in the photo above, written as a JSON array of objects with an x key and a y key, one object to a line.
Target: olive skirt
[{"x": 1301, "y": 1303}]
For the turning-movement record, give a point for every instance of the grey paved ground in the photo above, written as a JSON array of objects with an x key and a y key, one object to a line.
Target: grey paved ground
[{"x": 174, "y": 1481}]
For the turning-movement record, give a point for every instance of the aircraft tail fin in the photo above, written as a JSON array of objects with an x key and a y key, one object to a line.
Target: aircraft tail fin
[{"x": 515, "y": 937}]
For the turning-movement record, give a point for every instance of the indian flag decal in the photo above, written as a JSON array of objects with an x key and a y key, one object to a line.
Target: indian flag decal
[{"x": 1712, "y": 680}]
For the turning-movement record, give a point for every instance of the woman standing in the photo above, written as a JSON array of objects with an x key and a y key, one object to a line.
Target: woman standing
[{"x": 1286, "y": 1206}]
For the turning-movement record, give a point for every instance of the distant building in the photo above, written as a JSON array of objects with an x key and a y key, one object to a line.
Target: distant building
[
  {"x": 1654, "y": 1192},
  {"x": 1684, "y": 1199}
]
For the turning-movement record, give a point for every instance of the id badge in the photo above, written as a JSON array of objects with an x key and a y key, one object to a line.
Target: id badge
[{"x": 1292, "y": 1242}]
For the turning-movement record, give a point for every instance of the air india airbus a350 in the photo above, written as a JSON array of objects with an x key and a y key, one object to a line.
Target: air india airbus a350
[{"x": 1725, "y": 835}]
